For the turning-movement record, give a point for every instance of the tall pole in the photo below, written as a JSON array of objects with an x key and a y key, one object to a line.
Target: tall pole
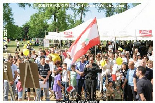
[
  {"x": 95, "y": 51},
  {"x": 115, "y": 40},
  {"x": 43, "y": 40}
]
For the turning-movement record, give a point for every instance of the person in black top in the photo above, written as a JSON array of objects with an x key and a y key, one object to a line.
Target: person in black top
[
  {"x": 144, "y": 86},
  {"x": 148, "y": 74},
  {"x": 123, "y": 72},
  {"x": 90, "y": 72},
  {"x": 44, "y": 72}
]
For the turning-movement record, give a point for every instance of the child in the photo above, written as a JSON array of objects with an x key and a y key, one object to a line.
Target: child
[
  {"x": 110, "y": 91},
  {"x": 20, "y": 89},
  {"x": 150, "y": 64},
  {"x": 57, "y": 84},
  {"x": 72, "y": 81},
  {"x": 65, "y": 80},
  {"x": 118, "y": 94}
]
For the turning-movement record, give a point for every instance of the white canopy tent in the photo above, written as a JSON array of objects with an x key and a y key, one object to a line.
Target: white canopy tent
[
  {"x": 126, "y": 26},
  {"x": 123, "y": 26}
]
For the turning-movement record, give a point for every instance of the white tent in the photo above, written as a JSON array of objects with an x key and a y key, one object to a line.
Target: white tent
[
  {"x": 126, "y": 26},
  {"x": 123, "y": 26},
  {"x": 53, "y": 35},
  {"x": 70, "y": 34}
]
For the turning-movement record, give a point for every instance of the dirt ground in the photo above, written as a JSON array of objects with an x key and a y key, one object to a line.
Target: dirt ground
[{"x": 53, "y": 99}]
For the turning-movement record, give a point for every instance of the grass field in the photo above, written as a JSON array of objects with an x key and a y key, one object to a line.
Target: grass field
[{"x": 12, "y": 47}]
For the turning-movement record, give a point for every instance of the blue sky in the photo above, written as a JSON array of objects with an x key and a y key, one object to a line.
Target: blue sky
[{"x": 21, "y": 15}]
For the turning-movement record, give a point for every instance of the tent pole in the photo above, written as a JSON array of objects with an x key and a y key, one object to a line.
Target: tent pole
[
  {"x": 115, "y": 43},
  {"x": 135, "y": 35}
]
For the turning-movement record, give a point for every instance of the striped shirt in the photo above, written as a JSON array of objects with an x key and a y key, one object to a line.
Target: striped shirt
[{"x": 43, "y": 70}]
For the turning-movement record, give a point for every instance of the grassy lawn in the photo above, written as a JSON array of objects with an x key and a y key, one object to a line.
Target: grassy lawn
[{"x": 12, "y": 47}]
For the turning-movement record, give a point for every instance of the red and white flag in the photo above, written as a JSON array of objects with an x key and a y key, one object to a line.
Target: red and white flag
[{"x": 87, "y": 39}]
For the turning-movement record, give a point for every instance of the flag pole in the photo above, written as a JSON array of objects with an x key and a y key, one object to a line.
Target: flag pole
[
  {"x": 95, "y": 51},
  {"x": 99, "y": 36}
]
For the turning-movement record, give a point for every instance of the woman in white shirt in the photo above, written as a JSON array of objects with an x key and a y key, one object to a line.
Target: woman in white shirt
[
  {"x": 106, "y": 72},
  {"x": 65, "y": 81}
]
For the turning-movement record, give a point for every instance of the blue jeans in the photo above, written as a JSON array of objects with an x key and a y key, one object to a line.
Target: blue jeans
[
  {"x": 66, "y": 95},
  {"x": 46, "y": 90},
  {"x": 80, "y": 83},
  {"x": 6, "y": 90},
  {"x": 52, "y": 83}
]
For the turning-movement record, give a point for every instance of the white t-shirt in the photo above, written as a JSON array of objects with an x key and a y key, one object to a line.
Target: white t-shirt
[
  {"x": 69, "y": 63},
  {"x": 124, "y": 59},
  {"x": 18, "y": 43},
  {"x": 64, "y": 76},
  {"x": 110, "y": 47},
  {"x": 52, "y": 66},
  {"x": 137, "y": 63},
  {"x": 106, "y": 69}
]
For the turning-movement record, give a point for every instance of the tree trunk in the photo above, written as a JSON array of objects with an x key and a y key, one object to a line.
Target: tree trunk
[{"x": 81, "y": 15}]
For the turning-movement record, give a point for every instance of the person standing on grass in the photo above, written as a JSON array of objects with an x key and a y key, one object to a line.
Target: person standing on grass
[{"x": 17, "y": 46}]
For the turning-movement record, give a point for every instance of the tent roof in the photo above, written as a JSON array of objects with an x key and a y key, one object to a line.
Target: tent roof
[{"x": 123, "y": 26}]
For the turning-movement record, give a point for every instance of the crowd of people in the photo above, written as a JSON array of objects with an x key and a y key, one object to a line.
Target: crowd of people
[{"x": 132, "y": 80}]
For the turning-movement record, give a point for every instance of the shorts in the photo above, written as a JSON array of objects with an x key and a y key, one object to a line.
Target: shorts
[
  {"x": 28, "y": 90},
  {"x": 58, "y": 95},
  {"x": 20, "y": 95}
]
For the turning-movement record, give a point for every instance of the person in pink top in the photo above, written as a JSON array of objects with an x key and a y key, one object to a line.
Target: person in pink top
[{"x": 20, "y": 89}]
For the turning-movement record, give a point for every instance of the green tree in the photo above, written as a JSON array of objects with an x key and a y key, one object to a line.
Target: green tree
[
  {"x": 107, "y": 8},
  {"x": 121, "y": 7},
  {"x": 135, "y": 4},
  {"x": 13, "y": 31},
  {"x": 23, "y": 5},
  {"x": 37, "y": 25},
  {"x": 80, "y": 10},
  {"x": 7, "y": 14},
  {"x": 55, "y": 15}
]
